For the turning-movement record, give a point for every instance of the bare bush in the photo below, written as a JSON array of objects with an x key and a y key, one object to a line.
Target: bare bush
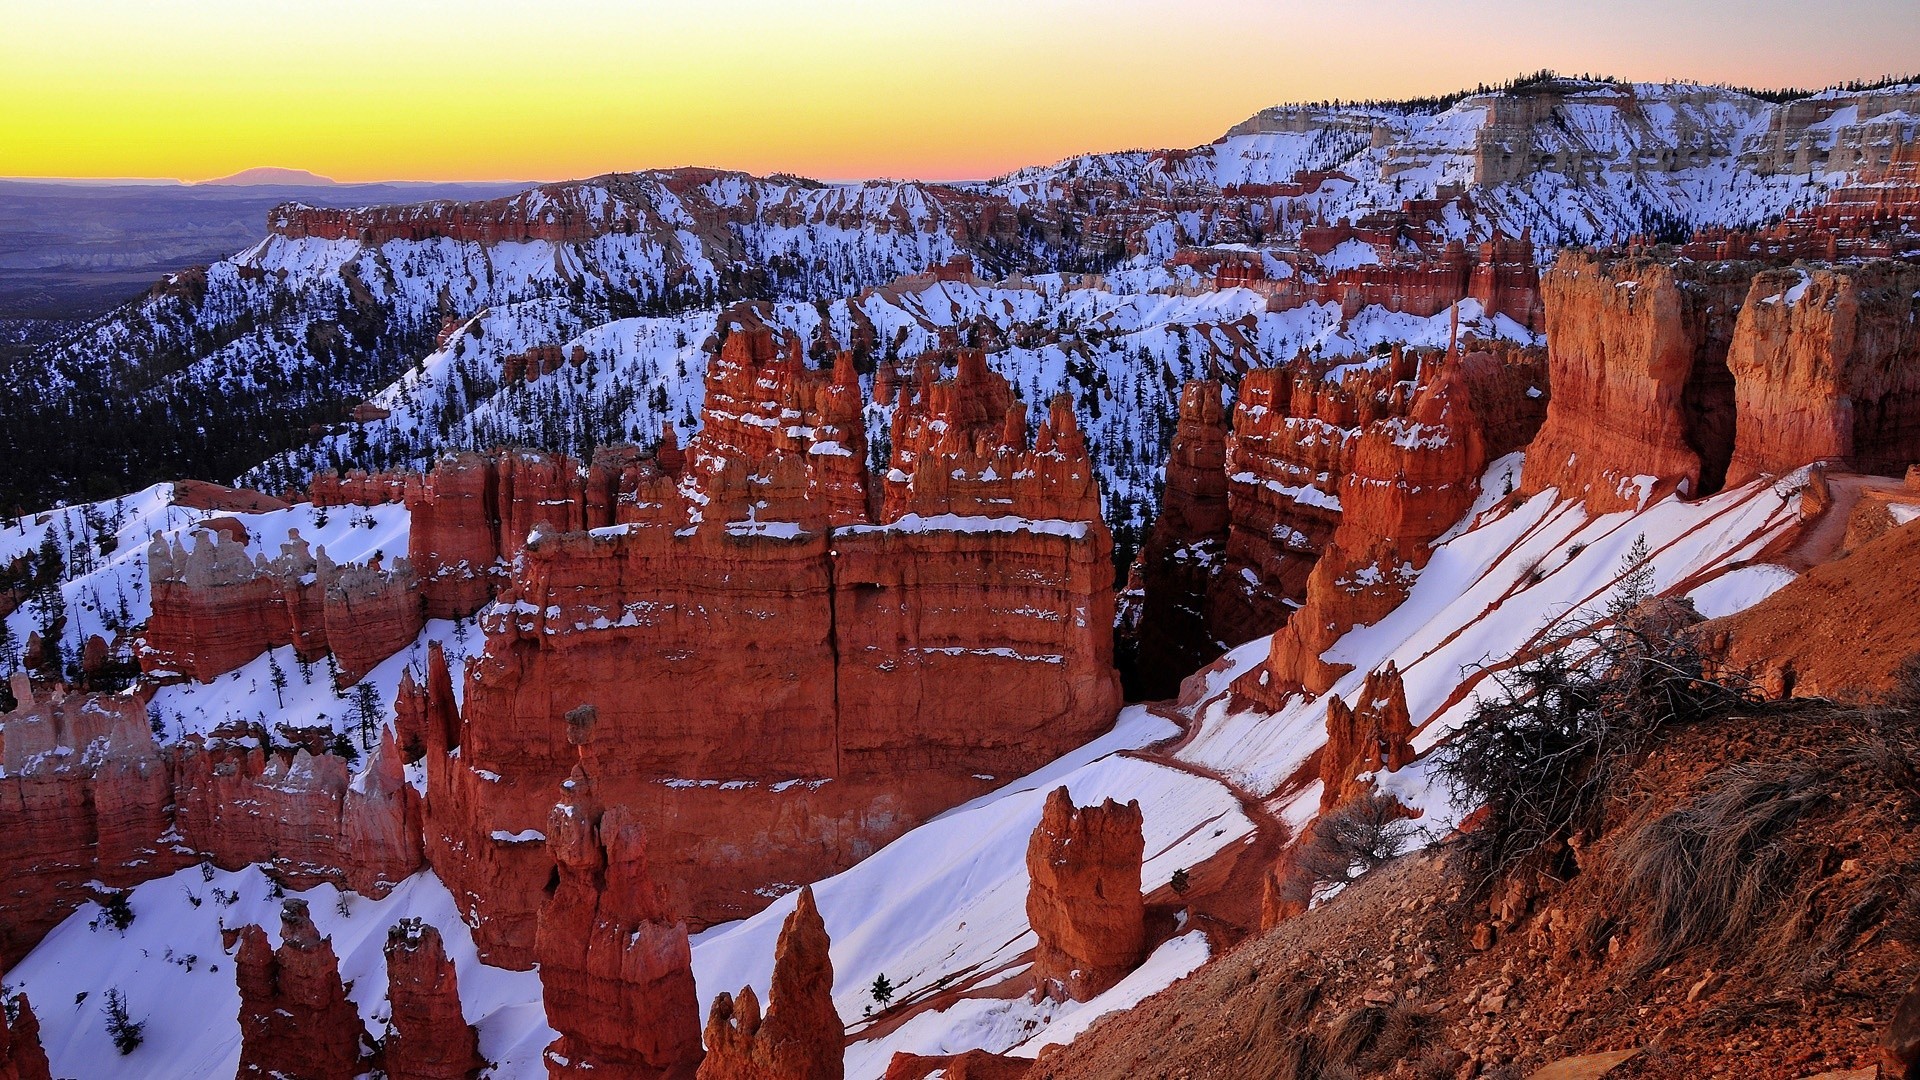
[{"x": 1564, "y": 726}]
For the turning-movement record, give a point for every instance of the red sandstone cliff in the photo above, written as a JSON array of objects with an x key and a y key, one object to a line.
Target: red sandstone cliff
[
  {"x": 1084, "y": 902},
  {"x": 1411, "y": 476},
  {"x": 801, "y": 1036},
  {"x": 615, "y": 968},
  {"x": 295, "y": 1019},
  {"x": 1826, "y": 366},
  {"x": 1637, "y": 355},
  {"x": 215, "y": 609},
  {"x": 961, "y": 643},
  {"x": 431, "y": 1039},
  {"x": 86, "y": 797}
]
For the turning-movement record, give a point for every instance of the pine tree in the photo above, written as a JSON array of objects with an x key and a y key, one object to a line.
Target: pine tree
[
  {"x": 1636, "y": 578},
  {"x": 882, "y": 990},
  {"x": 279, "y": 679}
]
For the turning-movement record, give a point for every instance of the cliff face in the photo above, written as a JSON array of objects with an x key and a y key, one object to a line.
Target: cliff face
[
  {"x": 21, "y": 1055},
  {"x": 801, "y": 1036},
  {"x": 431, "y": 1038},
  {"x": 1411, "y": 475},
  {"x": 86, "y": 796},
  {"x": 92, "y": 798},
  {"x": 1637, "y": 355},
  {"x": 1084, "y": 902},
  {"x": 215, "y": 609},
  {"x": 1699, "y": 374},
  {"x": 615, "y": 969},
  {"x": 295, "y": 1018},
  {"x": 1826, "y": 365},
  {"x": 961, "y": 643}
]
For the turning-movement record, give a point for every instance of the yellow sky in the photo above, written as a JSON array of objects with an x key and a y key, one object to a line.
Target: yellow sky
[{"x": 414, "y": 89}]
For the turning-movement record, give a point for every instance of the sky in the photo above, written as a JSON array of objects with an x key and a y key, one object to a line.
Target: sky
[{"x": 363, "y": 90}]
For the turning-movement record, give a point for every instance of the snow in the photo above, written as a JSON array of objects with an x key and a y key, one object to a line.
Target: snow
[
  {"x": 1739, "y": 589},
  {"x": 179, "y": 980},
  {"x": 946, "y": 903}
]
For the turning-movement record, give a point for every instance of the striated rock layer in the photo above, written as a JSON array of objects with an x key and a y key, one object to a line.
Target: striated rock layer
[
  {"x": 215, "y": 607},
  {"x": 1085, "y": 903},
  {"x": 801, "y": 1036},
  {"x": 1637, "y": 354},
  {"x": 91, "y": 798},
  {"x": 778, "y": 696},
  {"x": 1826, "y": 366},
  {"x": 1411, "y": 475}
]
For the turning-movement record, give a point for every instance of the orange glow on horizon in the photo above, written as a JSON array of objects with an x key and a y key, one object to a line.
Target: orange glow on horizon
[{"x": 500, "y": 89}]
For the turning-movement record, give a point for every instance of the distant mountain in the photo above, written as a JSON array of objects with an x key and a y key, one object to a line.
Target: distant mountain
[{"x": 268, "y": 176}]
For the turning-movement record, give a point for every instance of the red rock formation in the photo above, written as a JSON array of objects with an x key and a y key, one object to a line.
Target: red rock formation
[
  {"x": 616, "y": 973},
  {"x": 431, "y": 1039},
  {"x": 307, "y": 822},
  {"x": 972, "y": 1065},
  {"x": 473, "y": 513},
  {"x": 370, "y": 614},
  {"x": 762, "y": 400},
  {"x": 357, "y": 487},
  {"x": 85, "y": 795},
  {"x": 215, "y": 609},
  {"x": 1412, "y": 476},
  {"x": 21, "y": 1055},
  {"x": 1372, "y": 736},
  {"x": 789, "y": 762},
  {"x": 1185, "y": 552},
  {"x": 801, "y": 1037},
  {"x": 1637, "y": 355},
  {"x": 201, "y": 495},
  {"x": 1826, "y": 366},
  {"x": 1085, "y": 902},
  {"x": 295, "y": 1019}
]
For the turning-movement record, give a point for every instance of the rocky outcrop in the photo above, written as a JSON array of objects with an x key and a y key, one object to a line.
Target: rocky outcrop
[
  {"x": 763, "y": 400},
  {"x": 1826, "y": 367},
  {"x": 1372, "y": 736},
  {"x": 21, "y": 1055},
  {"x": 801, "y": 1036},
  {"x": 959, "y": 643},
  {"x": 1084, "y": 902},
  {"x": 86, "y": 796},
  {"x": 308, "y": 821},
  {"x": 1637, "y": 355},
  {"x": 1173, "y": 632},
  {"x": 295, "y": 1018},
  {"x": 472, "y": 513},
  {"x": 215, "y": 607},
  {"x": 430, "y": 1039},
  {"x": 616, "y": 970},
  {"x": 1411, "y": 477}
]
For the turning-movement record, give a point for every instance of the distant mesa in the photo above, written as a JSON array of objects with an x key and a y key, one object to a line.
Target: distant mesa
[{"x": 267, "y": 176}]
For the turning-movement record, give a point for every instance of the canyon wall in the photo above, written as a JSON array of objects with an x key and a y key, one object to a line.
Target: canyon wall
[
  {"x": 96, "y": 802},
  {"x": 765, "y": 661}
]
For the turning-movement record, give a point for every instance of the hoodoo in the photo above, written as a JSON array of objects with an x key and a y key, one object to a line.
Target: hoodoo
[
  {"x": 1085, "y": 902},
  {"x": 800, "y": 1037}
]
